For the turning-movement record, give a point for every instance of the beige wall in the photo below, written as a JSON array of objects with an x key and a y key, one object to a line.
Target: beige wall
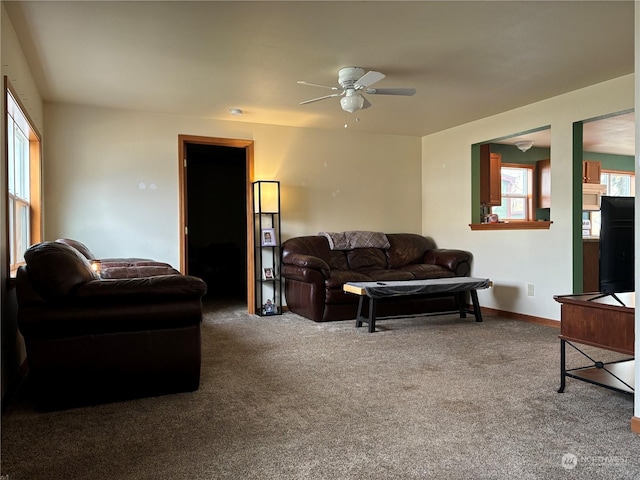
[
  {"x": 330, "y": 180},
  {"x": 515, "y": 259}
]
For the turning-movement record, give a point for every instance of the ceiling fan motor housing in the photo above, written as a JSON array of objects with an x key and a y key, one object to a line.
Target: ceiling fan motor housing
[{"x": 348, "y": 76}]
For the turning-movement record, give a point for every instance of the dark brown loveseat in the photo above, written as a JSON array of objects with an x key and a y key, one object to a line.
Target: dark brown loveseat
[
  {"x": 90, "y": 339},
  {"x": 315, "y": 274}
]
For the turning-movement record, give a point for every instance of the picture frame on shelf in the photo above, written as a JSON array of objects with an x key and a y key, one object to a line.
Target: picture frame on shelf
[
  {"x": 269, "y": 308},
  {"x": 269, "y": 274},
  {"x": 268, "y": 236}
]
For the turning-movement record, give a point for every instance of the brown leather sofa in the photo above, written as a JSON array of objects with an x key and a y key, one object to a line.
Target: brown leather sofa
[
  {"x": 90, "y": 339},
  {"x": 315, "y": 274}
]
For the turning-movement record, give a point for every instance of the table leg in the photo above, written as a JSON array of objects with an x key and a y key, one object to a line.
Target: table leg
[
  {"x": 476, "y": 305},
  {"x": 460, "y": 304},
  {"x": 563, "y": 366},
  {"x": 359, "y": 314},
  {"x": 372, "y": 315}
]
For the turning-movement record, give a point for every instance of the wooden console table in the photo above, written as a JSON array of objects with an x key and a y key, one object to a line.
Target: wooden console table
[{"x": 605, "y": 322}]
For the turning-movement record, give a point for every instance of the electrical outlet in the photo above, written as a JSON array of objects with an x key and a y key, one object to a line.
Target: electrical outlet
[{"x": 530, "y": 290}]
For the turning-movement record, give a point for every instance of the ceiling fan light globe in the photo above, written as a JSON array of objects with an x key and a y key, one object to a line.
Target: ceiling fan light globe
[
  {"x": 352, "y": 103},
  {"x": 524, "y": 145}
]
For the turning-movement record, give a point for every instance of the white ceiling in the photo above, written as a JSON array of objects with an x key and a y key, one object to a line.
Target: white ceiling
[
  {"x": 467, "y": 60},
  {"x": 613, "y": 134}
]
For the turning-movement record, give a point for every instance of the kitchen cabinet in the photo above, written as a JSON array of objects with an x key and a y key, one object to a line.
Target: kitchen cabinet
[
  {"x": 591, "y": 172},
  {"x": 543, "y": 183},
  {"x": 590, "y": 265},
  {"x": 490, "y": 177}
]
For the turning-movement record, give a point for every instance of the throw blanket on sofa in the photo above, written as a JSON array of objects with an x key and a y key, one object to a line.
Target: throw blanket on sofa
[{"x": 356, "y": 239}]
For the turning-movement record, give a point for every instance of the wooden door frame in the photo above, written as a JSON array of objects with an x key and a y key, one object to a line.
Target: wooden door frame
[{"x": 182, "y": 179}]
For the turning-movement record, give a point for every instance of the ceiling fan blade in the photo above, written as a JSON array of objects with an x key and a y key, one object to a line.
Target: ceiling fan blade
[
  {"x": 368, "y": 78},
  {"x": 366, "y": 104},
  {"x": 302, "y": 82},
  {"x": 391, "y": 91},
  {"x": 321, "y": 98}
]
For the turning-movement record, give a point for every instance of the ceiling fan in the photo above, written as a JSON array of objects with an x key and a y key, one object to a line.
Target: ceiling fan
[{"x": 354, "y": 82}]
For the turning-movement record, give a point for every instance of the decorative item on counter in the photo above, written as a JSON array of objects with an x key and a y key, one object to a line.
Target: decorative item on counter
[
  {"x": 484, "y": 213},
  {"x": 493, "y": 218}
]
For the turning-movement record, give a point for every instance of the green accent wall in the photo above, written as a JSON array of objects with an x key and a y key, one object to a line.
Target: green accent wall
[
  {"x": 475, "y": 183},
  {"x": 624, "y": 163},
  {"x": 576, "y": 231},
  {"x": 512, "y": 154}
]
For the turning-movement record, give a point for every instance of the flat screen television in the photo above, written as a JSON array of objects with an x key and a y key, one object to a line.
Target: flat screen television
[{"x": 616, "y": 245}]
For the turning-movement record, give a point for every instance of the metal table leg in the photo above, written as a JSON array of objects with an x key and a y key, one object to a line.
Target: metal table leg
[
  {"x": 563, "y": 366},
  {"x": 372, "y": 315},
  {"x": 476, "y": 305},
  {"x": 459, "y": 297},
  {"x": 359, "y": 314}
]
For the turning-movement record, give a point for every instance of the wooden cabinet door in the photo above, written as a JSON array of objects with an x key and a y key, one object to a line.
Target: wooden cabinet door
[
  {"x": 590, "y": 266},
  {"x": 590, "y": 172},
  {"x": 543, "y": 183},
  {"x": 490, "y": 177}
]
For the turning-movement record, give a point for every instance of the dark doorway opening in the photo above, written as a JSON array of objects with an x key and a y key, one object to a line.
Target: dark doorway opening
[{"x": 216, "y": 184}]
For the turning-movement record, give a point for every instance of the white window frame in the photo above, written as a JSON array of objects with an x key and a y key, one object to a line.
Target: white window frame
[
  {"x": 595, "y": 217},
  {"x": 608, "y": 173},
  {"x": 23, "y": 154},
  {"x": 527, "y": 198}
]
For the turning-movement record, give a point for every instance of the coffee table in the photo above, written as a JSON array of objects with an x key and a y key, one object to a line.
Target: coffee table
[{"x": 380, "y": 290}]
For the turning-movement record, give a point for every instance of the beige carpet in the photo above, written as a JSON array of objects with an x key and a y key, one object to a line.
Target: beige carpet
[{"x": 285, "y": 398}]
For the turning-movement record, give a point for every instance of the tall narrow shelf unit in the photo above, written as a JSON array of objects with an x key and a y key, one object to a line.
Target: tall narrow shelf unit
[{"x": 266, "y": 226}]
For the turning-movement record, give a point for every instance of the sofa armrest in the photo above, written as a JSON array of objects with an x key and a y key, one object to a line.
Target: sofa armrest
[
  {"x": 161, "y": 287},
  {"x": 458, "y": 261},
  {"x": 308, "y": 261}
]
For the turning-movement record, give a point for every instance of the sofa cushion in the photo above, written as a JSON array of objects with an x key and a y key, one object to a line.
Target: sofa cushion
[
  {"x": 423, "y": 271},
  {"x": 138, "y": 271},
  {"x": 382, "y": 275},
  {"x": 406, "y": 249},
  {"x": 340, "y": 277},
  {"x": 337, "y": 260},
  {"x": 366, "y": 258},
  {"x": 315, "y": 246},
  {"x": 56, "y": 269}
]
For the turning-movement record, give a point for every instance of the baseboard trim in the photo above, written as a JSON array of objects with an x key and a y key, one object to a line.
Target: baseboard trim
[
  {"x": 635, "y": 424},
  {"x": 520, "y": 316}
]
